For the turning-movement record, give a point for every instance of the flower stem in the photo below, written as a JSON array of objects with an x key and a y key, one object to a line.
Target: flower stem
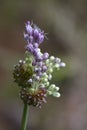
[{"x": 24, "y": 117}]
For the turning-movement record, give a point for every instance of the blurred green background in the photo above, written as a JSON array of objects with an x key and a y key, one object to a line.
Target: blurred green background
[{"x": 65, "y": 21}]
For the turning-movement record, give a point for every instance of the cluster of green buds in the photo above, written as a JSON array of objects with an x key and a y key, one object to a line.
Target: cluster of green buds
[{"x": 33, "y": 74}]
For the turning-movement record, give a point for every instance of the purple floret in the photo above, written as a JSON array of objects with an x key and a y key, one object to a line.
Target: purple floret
[
  {"x": 30, "y": 48},
  {"x": 45, "y": 56},
  {"x": 29, "y": 28}
]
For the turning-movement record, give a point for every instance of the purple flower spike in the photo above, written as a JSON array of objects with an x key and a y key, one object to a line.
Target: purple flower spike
[
  {"x": 38, "y": 58},
  {"x": 40, "y": 64},
  {"x": 29, "y": 29},
  {"x": 36, "y": 33},
  {"x": 31, "y": 39},
  {"x": 44, "y": 68},
  {"x": 40, "y": 73},
  {"x": 34, "y": 72},
  {"x": 35, "y": 51},
  {"x": 26, "y": 37},
  {"x": 30, "y": 48},
  {"x": 36, "y": 45},
  {"x": 45, "y": 56},
  {"x": 41, "y": 38}
]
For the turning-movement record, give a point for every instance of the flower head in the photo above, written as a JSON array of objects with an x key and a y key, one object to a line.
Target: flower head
[{"x": 33, "y": 74}]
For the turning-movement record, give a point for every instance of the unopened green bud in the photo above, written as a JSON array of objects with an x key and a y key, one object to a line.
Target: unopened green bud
[
  {"x": 45, "y": 75},
  {"x": 57, "y": 88},
  {"x": 51, "y": 64},
  {"x": 49, "y": 76},
  {"x": 56, "y": 65},
  {"x": 52, "y": 86},
  {"x": 47, "y": 84},
  {"x": 47, "y": 61},
  {"x": 45, "y": 80},
  {"x": 49, "y": 92},
  {"x": 50, "y": 70},
  {"x": 56, "y": 94},
  {"x": 52, "y": 58},
  {"x": 32, "y": 90}
]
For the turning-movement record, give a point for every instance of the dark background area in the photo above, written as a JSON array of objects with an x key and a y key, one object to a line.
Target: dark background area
[{"x": 65, "y": 21}]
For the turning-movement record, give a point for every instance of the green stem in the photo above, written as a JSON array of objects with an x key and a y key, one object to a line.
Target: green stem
[{"x": 24, "y": 117}]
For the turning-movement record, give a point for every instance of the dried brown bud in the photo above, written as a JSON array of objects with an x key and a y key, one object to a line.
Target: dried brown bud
[{"x": 35, "y": 99}]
